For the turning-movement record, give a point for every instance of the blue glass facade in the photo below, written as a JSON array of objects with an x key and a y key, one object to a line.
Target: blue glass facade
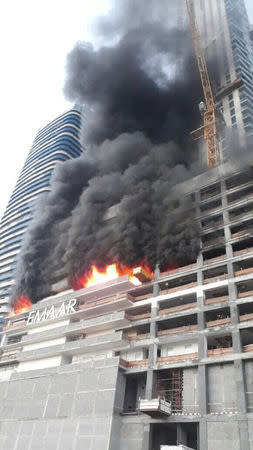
[
  {"x": 226, "y": 36},
  {"x": 56, "y": 142},
  {"x": 241, "y": 45}
]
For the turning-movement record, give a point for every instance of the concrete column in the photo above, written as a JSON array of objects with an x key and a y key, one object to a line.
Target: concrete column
[
  {"x": 236, "y": 338},
  {"x": 202, "y": 389},
  {"x": 240, "y": 386},
  {"x": 153, "y": 329},
  {"x": 227, "y": 232},
  {"x": 202, "y": 346},
  {"x": 200, "y": 295},
  {"x": 202, "y": 341},
  {"x": 244, "y": 435},
  {"x": 150, "y": 384},
  {"x": 232, "y": 291},
  {"x": 147, "y": 437},
  {"x": 156, "y": 288},
  {"x": 152, "y": 357},
  {"x": 181, "y": 435},
  {"x": 203, "y": 436}
]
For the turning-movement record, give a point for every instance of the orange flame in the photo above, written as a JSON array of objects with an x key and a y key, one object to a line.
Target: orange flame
[
  {"x": 110, "y": 272},
  {"x": 22, "y": 304}
]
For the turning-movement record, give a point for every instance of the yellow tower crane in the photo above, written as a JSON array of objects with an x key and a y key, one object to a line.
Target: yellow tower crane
[{"x": 209, "y": 130}]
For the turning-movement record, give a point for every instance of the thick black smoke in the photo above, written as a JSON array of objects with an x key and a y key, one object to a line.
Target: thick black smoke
[{"x": 137, "y": 150}]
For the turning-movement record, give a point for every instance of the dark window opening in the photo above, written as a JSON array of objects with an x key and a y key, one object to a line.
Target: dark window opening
[
  {"x": 134, "y": 390},
  {"x": 175, "y": 434}
]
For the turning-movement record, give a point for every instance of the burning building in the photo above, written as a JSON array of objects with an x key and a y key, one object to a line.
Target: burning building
[
  {"x": 138, "y": 266},
  {"x": 146, "y": 359}
]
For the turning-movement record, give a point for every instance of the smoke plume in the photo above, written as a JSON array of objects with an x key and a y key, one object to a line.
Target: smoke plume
[{"x": 135, "y": 135}]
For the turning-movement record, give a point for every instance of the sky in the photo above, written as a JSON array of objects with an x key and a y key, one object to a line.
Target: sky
[{"x": 35, "y": 37}]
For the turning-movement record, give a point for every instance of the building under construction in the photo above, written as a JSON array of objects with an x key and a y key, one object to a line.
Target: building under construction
[{"x": 166, "y": 363}]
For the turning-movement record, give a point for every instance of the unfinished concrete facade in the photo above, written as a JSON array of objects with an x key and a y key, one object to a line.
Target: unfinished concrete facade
[{"x": 76, "y": 371}]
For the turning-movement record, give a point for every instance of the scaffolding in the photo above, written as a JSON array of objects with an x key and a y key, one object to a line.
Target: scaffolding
[{"x": 171, "y": 388}]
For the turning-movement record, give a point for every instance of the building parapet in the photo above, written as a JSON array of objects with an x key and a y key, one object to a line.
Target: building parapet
[
  {"x": 212, "y": 301},
  {"x": 177, "y": 358},
  {"x": 86, "y": 345},
  {"x": 218, "y": 322},
  {"x": 178, "y": 308},
  {"x": 184, "y": 329},
  {"x": 220, "y": 351}
]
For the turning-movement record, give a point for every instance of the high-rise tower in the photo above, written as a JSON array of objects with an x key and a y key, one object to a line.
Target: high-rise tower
[
  {"x": 165, "y": 364},
  {"x": 57, "y": 141},
  {"x": 225, "y": 31}
]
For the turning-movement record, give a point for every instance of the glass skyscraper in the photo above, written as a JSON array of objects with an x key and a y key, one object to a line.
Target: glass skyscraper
[
  {"x": 56, "y": 142},
  {"x": 225, "y": 32}
]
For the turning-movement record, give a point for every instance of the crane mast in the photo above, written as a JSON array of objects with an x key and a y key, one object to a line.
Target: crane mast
[{"x": 210, "y": 126}]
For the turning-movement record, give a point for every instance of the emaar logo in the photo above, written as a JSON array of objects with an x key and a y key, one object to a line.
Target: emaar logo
[{"x": 53, "y": 312}]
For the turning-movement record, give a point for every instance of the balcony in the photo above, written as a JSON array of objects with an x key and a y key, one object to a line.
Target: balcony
[
  {"x": 12, "y": 326},
  {"x": 216, "y": 259},
  {"x": 239, "y": 180},
  {"x": 246, "y": 317},
  {"x": 248, "y": 348},
  {"x": 211, "y": 191},
  {"x": 245, "y": 312},
  {"x": 220, "y": 351},
  {"x": 104, "y": 301},
  {"x": 139, "y": 298},
  {"x": 182, "y": 287},
  {"x": 241, "y": 272},
  {"x": 216, "y": 242},
  {"x": 176, "y": 309},
  {"x": 237, "y": 217},
  {"x": 212, "y": 225},
  {"x": 221, "y": 277},
  {"x": 111, "y": 341},
  {"x": 131, "y": 364},
  {"x": 136, "y": 337},
  {"x": 184, "y": 329},
  {"x": 178, "y": 270},
  {"x": 212, "y": 301},
  {"x": 209, "y": 208},
  {"x": 155, "y": 407},
  {"x": 245, "y": 294},
  {"x": 136, "y": 317},
  {"x": 219, "y": 345},
  {"x": 244, "y": 251},
  {"x": 177, "y": 358},
  {"x": 9, "y": 356},
  {"x": 218, "y": 322},
  {"x": 242, "y": 233},
  {"x": 241, "y": 199}
]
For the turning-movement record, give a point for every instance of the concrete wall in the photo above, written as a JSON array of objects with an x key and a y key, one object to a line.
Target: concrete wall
[
  {"x": 118, "y": 407},
  {"x": 134, "y": 355},
  {"x": 68, "y": 407},
  {"x": 250, "y": 428},
  {"x": 190, "y": 390},
  {"x": 248, "y": 370},
  {"x": 223, "y": 436},
  {"x": 133, "y": 436},
  {"x": 221, "y": 387},
  {"x": 179, "y": 348}
]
